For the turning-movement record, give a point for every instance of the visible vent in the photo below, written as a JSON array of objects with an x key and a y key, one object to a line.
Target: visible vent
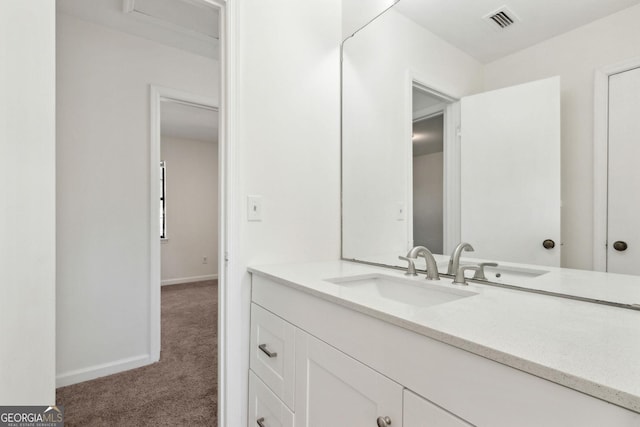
[{"x": 501, "y": 18}]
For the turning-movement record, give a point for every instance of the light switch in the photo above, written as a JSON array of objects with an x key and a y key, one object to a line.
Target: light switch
[
  {"x": 254, "y": 208},
  {"x": 400, "y": 211}
]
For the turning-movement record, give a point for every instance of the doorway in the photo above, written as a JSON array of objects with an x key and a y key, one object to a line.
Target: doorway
[
  {"x": 107, "y": 215},
  {"x": 189, "y": 173},
  {"x": 428, "y": 182},
  {"x": 184, "y": 128},
  {"x": 432, "y": 220}
]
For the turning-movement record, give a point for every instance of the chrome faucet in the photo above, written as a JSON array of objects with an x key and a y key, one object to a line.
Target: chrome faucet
[
  {"x": 454, "y": 261},
  {"x": 411, "y": 268},
  {"x": 479, "y": 275},
  {"x": 460, "y": 279},
  {"x": 432, "y": 267}
]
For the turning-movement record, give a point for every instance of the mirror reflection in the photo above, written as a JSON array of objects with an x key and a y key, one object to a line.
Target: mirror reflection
[
  {"x": 457, "y": 129},
  {"x": 427, "y": 139}
]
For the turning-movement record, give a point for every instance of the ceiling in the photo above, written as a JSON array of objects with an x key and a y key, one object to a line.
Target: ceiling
[
  {"x": 189, "y": 25},
  {"x": 184, "y": 121},
  {"x": 461, "y": 23}
]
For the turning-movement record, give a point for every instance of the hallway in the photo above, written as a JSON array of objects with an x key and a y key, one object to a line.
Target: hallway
[{"x": 181, "y": 389}]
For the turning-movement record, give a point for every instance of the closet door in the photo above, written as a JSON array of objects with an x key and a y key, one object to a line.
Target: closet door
[
  {"x": 332, "y": 389},
  {"x": 623, "y": 240}
]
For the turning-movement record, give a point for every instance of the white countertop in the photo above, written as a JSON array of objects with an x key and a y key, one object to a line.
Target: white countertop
[{"x": 588, "y": 347}]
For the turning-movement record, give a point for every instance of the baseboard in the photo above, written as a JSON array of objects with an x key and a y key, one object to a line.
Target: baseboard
[
  {"x": 93, "y": 372},
  {"x": 189, "y": 279}
]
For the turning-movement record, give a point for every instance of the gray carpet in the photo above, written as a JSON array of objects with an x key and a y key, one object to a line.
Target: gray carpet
[{"x": 180, "y": 390}]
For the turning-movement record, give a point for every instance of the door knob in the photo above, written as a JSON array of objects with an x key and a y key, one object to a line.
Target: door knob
[
  {"x": 620, "y": 246},
  {"x": 384, "y": 421},
  {"x": 549, "y": 244}
]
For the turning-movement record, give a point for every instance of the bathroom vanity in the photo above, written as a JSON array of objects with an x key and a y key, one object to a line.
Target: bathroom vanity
[{"x": 347, "y": 344}]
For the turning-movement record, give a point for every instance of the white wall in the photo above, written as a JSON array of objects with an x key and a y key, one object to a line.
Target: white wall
[
  {"x": 286, "y": 146},
  {"x": 103, "y": 80},
  {"x": 27, "y": 202},
  {"x": 192, "y": 210},
  {"x": 427, "y": 201},
  {"x": 574, "y": 56},
  {"x": 377, "y": 125}
]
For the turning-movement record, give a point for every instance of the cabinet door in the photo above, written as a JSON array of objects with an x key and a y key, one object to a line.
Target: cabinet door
[
  {"x": 332, "y": 389},
  {"x": 419, "y": 412},
  {"x": 265, "y": 409}
]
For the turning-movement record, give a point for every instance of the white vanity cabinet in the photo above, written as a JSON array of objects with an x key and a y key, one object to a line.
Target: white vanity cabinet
[
  {"x": 344, "y": 366},
  {"x": 265, "y": 409},
  {"x": 330, "y": 387},
  {"x": 333, "y": 389}
]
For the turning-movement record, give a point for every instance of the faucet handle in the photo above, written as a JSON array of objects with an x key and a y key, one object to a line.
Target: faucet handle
[
  {"x": 460, "y": 279},
  {"x": 480, "y": 271},
  {"x": 411, "y": 268}
]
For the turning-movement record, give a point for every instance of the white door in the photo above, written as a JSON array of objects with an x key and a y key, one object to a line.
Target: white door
[
  {"x": 510, "y": 173},
  {"x": 333, "y": 389},
  {"x": 27, "y": 202},
  {"x": 623, "y": 229}
]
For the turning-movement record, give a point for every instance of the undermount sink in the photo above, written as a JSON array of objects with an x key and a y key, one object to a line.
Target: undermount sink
[
  {"x": 405, "y": 294},
  {"x": 501, "y": 273},
  {"x": 505, "y": 274}
]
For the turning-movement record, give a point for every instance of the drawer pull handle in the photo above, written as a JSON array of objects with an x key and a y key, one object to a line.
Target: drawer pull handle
[
  {"x": 263, "y": 347},
  {"x": 260, "y": 422},
  {"x": 383, "y": 421}
]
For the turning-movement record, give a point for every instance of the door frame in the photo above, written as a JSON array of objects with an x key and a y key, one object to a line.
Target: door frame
[
  {"x": 451, "y": 160},
  {"x": 601, "y": 157}
]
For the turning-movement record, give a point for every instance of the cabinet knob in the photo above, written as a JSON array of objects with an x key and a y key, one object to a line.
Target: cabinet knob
[
  {"x": 384, "y": 421},
  {"x": 260, "y": 422},
  {"x": 549, "y": 244},
  {"x": 620, "y": 246}
]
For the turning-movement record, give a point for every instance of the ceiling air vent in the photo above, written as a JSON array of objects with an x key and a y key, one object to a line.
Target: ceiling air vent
[{"x": 501, "y": 18}]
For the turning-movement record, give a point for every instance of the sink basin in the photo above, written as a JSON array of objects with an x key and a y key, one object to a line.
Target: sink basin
[
  {"x": 501, "y": 273},
  {"x": 504, "y": 274},
  {"x": 407, "y": 295}
]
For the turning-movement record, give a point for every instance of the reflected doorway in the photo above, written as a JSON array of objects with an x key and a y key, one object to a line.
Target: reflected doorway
[
  {"x": 428, "y": 181},
  {"x": 428, "y": 166}
]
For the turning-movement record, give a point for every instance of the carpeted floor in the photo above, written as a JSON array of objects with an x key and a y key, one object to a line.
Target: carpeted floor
[{"x": 180, "y": 390}]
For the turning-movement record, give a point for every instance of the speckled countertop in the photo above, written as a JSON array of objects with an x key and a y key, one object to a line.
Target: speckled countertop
[{"x": 588, "y": 347}]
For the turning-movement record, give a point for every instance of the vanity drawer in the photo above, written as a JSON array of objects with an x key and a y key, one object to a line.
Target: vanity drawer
[
  {"x": 265, "y": 409},
  {"x": 273, "y": 352}
]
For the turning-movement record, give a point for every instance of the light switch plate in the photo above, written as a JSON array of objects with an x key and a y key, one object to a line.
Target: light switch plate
[
  {"x": 254, "y": 208},
  {"x": 400, "y": 211}
]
